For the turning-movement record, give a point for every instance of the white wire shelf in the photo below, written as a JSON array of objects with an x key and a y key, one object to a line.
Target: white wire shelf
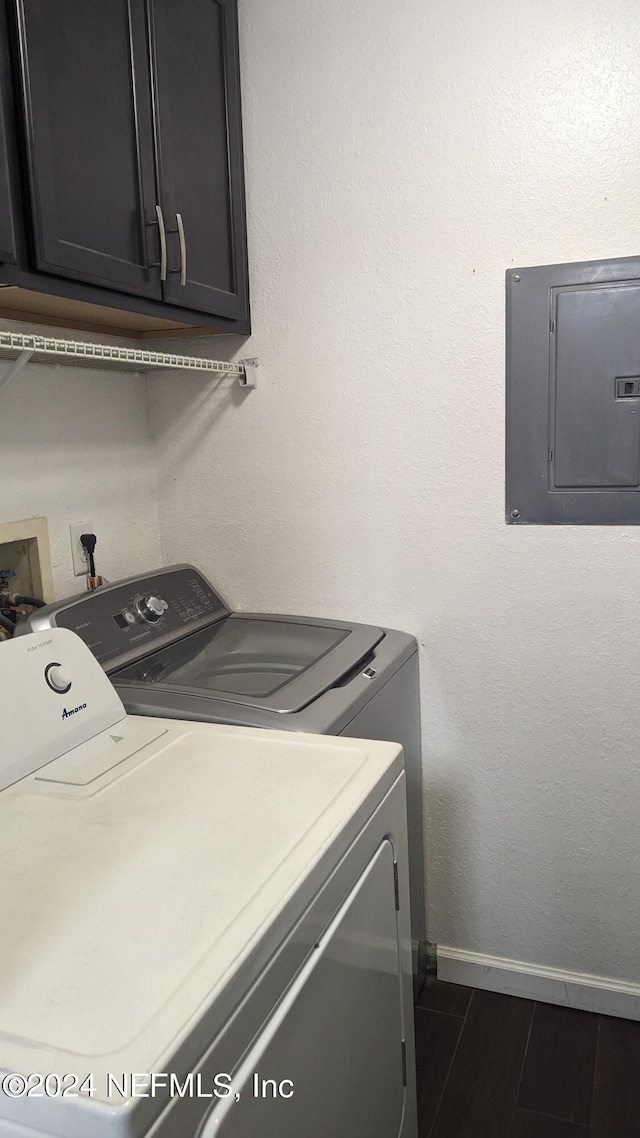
[{"x": 51, "y": 350}]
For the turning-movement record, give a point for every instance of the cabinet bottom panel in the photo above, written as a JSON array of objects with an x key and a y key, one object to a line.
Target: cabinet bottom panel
[{"x": 74, "y": 305}]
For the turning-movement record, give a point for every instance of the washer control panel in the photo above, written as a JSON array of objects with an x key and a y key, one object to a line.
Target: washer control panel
[{"x": 132, "y": 617}]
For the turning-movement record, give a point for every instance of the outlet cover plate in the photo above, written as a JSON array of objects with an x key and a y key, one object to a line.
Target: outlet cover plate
[{"x": 80, "y": 563}]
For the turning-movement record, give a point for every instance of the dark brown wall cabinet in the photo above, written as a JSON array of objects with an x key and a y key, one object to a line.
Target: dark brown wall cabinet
[{"x": 127, "y": 161}]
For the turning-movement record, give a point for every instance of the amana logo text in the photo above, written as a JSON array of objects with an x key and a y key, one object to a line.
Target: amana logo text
[{"x": 73, "y": 711}]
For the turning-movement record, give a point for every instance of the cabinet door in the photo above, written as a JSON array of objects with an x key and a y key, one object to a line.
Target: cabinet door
[
  {"x": 194, "y": 45},
  {"x": 7, "y": 233},
  {"x": 7, "y": 229},
  {"x": 87, "y": 106}
]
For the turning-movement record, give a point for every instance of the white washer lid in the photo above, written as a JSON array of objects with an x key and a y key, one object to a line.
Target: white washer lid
[{"x": 129, "y": 906}]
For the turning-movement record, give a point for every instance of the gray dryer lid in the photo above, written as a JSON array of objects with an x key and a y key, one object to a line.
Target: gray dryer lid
[{"x": 276, "y": 663}]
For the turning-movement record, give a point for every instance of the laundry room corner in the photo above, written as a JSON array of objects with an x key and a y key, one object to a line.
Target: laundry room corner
[
  {"x": 364, "y": 477},
  {"x": 192, "y": 419}
]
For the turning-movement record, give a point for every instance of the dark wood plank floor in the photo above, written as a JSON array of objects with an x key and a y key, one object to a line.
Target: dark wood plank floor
[{"x": 492, "y": 1066}]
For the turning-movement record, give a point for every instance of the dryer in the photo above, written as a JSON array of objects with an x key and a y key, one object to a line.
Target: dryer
[
  {"x": 203, "y": 929},
  {"x": 174, "y": 648}
]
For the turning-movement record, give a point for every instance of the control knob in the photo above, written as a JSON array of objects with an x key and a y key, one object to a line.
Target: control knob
[{"x": 151, "y": 609}]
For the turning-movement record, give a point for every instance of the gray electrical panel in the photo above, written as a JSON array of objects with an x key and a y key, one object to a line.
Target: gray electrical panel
[{"x": 573, "y": 394}]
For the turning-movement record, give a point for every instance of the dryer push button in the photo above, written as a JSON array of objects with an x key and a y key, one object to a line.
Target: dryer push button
[{"x": 58, "y": 678}]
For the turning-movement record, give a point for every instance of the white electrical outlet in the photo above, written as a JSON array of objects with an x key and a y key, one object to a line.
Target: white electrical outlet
[{"x": 80, "y": 563}]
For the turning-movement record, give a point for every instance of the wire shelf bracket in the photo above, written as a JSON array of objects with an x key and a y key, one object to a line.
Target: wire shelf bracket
[
  {"x": 13, "y": 369},
  {"x": 20, "y": 349}
]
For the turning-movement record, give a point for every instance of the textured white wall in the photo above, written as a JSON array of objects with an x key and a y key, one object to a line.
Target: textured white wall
[
  {"x": 75, "y": 446},
  {"x": 399, "y": 157}
]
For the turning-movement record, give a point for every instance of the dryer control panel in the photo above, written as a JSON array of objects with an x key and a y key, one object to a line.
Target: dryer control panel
[
  {"x": 125, "y": 620},
  {"x": 53, "y": 698}
]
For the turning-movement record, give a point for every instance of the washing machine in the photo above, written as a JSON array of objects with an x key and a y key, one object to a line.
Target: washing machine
[
  {"x": 204, "y": 929},
  {"x": 173, "y": 648}
]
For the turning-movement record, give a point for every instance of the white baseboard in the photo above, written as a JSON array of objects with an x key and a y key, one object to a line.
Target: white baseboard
[{"x": 549, "y": 985}]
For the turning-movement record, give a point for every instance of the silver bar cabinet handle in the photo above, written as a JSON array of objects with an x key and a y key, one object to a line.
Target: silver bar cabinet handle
[
  {"x": 183, "y": 249},
  {"x": 163, "y": 244}
]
